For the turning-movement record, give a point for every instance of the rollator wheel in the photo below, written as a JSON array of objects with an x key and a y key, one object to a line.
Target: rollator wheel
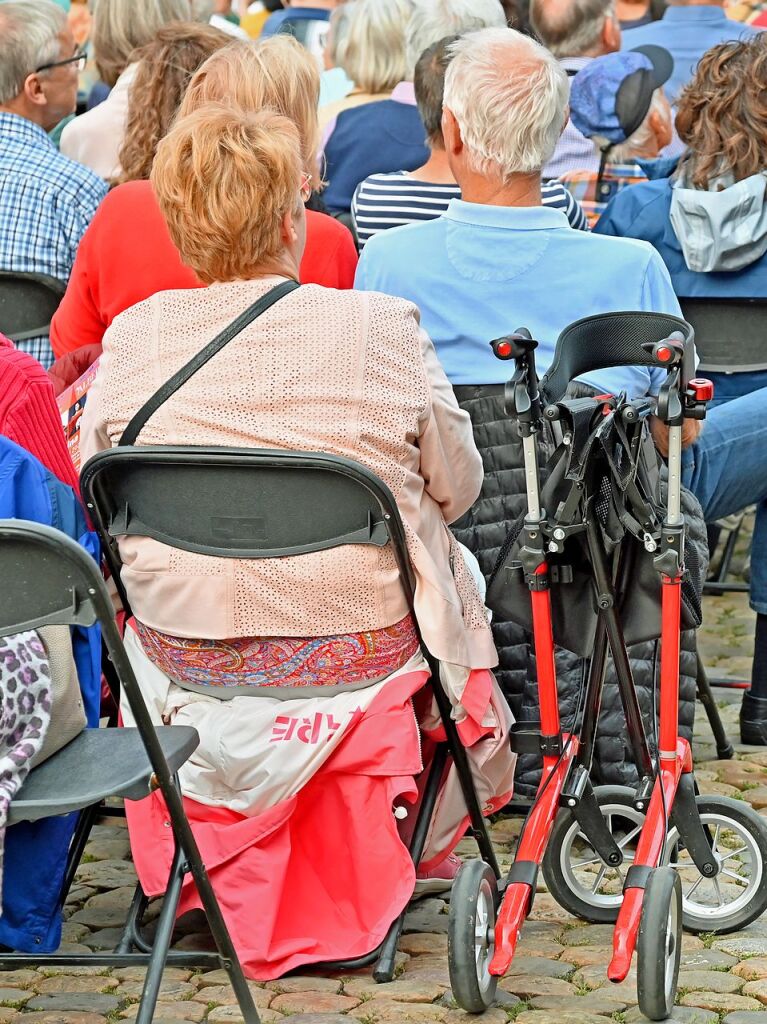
[
  {"x": 471, "y": 936},
  {"x": 738, "y": 894},
  {"x": 659, "y": 946},
  {"x": 576, "y": 876}
]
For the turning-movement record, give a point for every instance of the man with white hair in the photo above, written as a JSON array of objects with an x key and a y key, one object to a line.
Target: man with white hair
[
  {"x": 46, "y": 200},
  {"x": 388, "y": 135},
  {"x": 498, "y": 259},
  {"x": 576, "y": 31}
]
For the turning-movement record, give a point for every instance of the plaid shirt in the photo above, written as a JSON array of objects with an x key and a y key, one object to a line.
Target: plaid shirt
[
  {"x": 46, "y": 203},
  {"x": 583, "y": 186}
]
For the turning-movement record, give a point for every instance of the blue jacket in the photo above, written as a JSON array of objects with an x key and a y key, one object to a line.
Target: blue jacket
[
  {"x": 643, "y": 211},
  {"x": 36, "y": 853}
]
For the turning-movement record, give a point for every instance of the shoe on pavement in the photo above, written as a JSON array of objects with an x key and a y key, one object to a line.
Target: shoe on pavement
[
  {"x": 439, "y": 879},
  {"x": 753, "y": 720}
]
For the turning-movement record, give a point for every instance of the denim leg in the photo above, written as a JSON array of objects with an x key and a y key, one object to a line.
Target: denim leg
[
  {"x": 734, "y": 385},
  {"x": 726, "y": 469}
]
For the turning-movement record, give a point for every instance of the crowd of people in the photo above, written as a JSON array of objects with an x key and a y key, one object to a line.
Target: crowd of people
[{"x": 434, "y": 174}]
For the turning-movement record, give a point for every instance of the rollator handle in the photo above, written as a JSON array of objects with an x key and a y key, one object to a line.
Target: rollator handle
[{"x": 514, "y": 346}]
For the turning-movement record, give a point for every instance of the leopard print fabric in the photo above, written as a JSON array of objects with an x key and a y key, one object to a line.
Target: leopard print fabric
[{"x": 25, "y": 714}]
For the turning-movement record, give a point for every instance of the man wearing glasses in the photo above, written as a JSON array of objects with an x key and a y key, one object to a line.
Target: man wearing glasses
[{"x": 46, "y": 200}]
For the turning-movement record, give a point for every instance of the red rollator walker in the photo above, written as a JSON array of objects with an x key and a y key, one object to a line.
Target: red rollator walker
[{"x": 598, "y": 562}]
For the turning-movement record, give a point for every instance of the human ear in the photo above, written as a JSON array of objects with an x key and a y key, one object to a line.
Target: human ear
[
  {"x": 451, "y": 133},
  {"x": 33, "y": 90}
]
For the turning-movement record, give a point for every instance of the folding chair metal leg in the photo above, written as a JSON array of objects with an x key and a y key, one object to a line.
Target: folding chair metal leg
[
  {"x": 384, "y": 969},
  {"x": 183, "y": 835},
  {"x": 163, "y": 938},
  {"x": 82, "y": 832},
  {"x": 131, "y": 938},
  {"x": 724, "y": 748}
]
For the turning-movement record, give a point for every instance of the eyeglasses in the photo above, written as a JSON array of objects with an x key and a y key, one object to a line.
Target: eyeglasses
[
  {"x": 305, "y": 188},
  {"x": 80, "y": 59}
]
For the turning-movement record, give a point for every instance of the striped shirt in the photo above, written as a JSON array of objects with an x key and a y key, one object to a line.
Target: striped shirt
[{"x": 390, "y": 200}]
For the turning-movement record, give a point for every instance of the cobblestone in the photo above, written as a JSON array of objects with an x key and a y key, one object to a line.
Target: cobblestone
[{"x": 558, "y": 975}]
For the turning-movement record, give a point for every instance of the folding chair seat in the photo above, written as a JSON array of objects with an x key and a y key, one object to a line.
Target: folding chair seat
[
  {"x": 27, "y": 303},
  {"x": 261, "y": 504},
  {"x": 48, "y": 579},
  {"x": 729, "y": 338}
]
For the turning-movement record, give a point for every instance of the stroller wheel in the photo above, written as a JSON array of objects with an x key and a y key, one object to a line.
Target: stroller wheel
[
  {"x": 659, "y": 946},
  {"x": 576, "y": 876},
  {"x": 471, "y": 936},
  {"x": 738, "y": 894}
]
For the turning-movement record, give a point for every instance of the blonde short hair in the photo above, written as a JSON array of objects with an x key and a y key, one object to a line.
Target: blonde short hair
[
  {"x": 277, "y": 74},
  {"x": 120, "y": 26},
  {"x": 224, "y": 179},
  {"x": 372, "y": 53}
]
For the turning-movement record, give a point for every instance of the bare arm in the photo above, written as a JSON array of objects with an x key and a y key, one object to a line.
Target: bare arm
[{"x": 690, "y": 433}]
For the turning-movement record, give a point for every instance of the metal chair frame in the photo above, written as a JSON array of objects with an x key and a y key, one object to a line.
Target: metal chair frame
[
  {"x": 49, "y": 579},
  {"x": 727, "y": 342},
  {"x": 312, "y": 501},
  {"x": 27, "y": 303}
]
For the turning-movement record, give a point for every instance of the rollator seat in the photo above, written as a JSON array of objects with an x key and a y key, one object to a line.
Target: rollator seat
[{"x": 97, "y": 764}]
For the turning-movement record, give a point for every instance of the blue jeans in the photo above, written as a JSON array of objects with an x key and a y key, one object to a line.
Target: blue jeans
[{"x": 726, "y": 469}]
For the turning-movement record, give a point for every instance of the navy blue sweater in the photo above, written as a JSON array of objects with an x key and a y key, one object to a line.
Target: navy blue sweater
[{"x": 377, "y": 137}]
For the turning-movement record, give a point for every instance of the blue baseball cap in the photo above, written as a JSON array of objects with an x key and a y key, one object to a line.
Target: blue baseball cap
[{"x": 611, "y": 95}]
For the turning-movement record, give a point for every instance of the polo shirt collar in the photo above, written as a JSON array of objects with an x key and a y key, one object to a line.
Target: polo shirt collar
[
  {"x": 519, "y": 218},
  {"x": 14, "y": 124},
  {"x": 574, "y": 63},
  {"x": 696, "y": 13},
  {"x": 404, "y": 93}
]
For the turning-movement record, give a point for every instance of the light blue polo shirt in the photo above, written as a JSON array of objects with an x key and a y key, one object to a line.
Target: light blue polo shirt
[{"x": 479, "y": 272}]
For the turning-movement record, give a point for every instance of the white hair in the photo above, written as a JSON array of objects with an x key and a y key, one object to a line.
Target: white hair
[
  {"x": 372, "y": 52},
  {"x": 340, "y": 20},
  {"x": 571, "y": 29},
  {"x": 28, "y": 39},
  {"x": 509, "y": 96},
  {"x": 635, "y": 145},
  {"x": 432, "y": 20}
]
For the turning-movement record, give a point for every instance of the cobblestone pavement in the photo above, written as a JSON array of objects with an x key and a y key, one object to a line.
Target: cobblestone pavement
[{"x": 558, "y": 976}]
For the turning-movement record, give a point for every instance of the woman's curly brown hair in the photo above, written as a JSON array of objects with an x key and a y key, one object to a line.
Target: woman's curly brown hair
[
  {"x": 722, "y": 114},
  {"x": 165, "y": 67}
]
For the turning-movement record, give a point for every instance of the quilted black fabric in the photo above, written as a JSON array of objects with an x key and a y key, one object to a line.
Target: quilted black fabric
[{"x": 483, "y": 530}]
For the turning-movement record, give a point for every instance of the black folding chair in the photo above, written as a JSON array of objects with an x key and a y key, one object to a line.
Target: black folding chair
[
  {"x": 27, "y": 303},
  {"x": 250, "y": 503},
  {"x": 49, "y": 579},
  {"x": 730, "y": 338}
]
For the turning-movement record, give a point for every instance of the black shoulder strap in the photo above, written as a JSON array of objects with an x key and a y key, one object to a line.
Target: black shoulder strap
[{"x": 170, "y": 387}]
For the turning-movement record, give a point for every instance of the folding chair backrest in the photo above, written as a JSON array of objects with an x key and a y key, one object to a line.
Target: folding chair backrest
[
  {"x": 730, "y": 334},
  {"x": 27, "y": 303},
  {"x": 611, "y": 339},
  {"x": 240, "y": 503},
  {"x": 48, "y": 579}
]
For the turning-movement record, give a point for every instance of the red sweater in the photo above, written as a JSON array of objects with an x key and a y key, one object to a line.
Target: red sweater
[
  {"x": 29, "y": 415},
  {"x": 126, "y": 255}
]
